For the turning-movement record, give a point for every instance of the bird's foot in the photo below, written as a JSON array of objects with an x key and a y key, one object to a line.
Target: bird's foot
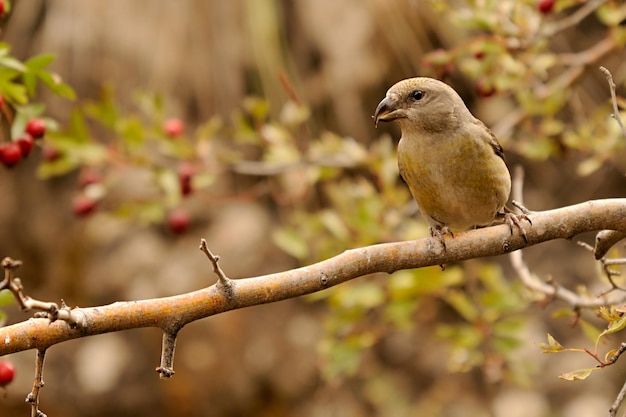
[
  {"x": 521, "y": 208},
  {"x": 439, "y": 233},
  {"x": 514, "y": 220}
]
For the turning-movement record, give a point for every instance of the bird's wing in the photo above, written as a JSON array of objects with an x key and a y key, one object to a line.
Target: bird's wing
[{"x": 491, "y": 139}]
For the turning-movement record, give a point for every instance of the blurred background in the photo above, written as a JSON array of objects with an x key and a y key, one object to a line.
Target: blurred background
[{"x": 541, "y": 93}]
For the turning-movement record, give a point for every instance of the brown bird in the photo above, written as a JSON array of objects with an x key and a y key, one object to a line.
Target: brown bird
[{"x": 452, "y": 163}]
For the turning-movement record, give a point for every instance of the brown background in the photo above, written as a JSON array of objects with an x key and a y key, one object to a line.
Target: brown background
[{"x": 205, "y": 56}]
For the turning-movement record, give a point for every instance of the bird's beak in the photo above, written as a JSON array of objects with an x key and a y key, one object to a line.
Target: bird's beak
[{"x": 388, "y": 109}]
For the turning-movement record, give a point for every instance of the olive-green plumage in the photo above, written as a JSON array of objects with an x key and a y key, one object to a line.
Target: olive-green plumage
[{"x": 452, "y": 163}]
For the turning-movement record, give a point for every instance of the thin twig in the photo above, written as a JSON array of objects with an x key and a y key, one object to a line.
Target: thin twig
[
  {"x": 224, "y": 283},
  {"x": 33, "y": 397},
  {"x": 618, "y": 401},
  {"x": 214, "y": 261},
  {"x": 612, "y": 87},
  {"x": 553, "y": 290},
  {"x": 50, "y": 310},
  {"x": 606, "y": 263}
]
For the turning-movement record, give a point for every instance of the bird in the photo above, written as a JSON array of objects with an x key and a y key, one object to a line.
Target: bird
[{"x": 452, "y": 163}]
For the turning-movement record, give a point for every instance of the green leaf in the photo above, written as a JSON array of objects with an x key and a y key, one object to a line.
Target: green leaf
[
  {"x": 104, "y": 111},
  {"x": 78, "y": 127},
  {"x": 12, "y": 91},
  {"x": 55, "y": 168},
  {"x": 578, "y": 375},
  {"x": 553, "y": 345},
  {"x": 614, "y": 326},
  {"x": 342, "y": 357},
  {"x": 12, "y": 63},
  {"x": 291, "y": 242},
  {"x": 334, "y": 224},
  {"x": 56, "y": 85},
  {"x": 30, "y": 82},
  {"x": 401, "y": 313},
  {"x": 363, "y": 296},
  {"x": 590, "y": 331},
  {"x": 409, "y": 284},
  {"x": 148, "y": 212},
  {"x": 460, "y": 301},
  {"x": 6, "y": 298},
  {"x": 132, "y": 131},
  {"x": 39, "y": 62}
]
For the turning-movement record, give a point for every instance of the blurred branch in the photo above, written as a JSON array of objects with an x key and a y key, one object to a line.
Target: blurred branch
[
  {"x": 620, "y": 396},
  {"x": 550, "y": 287},
  {"x": 175, "y": 312},
  {"x": 573, "y": 19},
  {"x": 612, "y": 87}
]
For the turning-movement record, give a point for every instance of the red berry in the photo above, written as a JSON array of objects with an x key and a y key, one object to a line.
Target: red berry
[
  {"x": 26, "y": 144},
  {"x": 186, "y": 171},
  {"x": 10, "y": 153},
  {"x": 51, "y": 154},
  {"x": 545, "y": 6},
  {"x": 1, "y": 8},
  {"x": 7, "y": 373},
  {"x": 173, "y": 127},
  {"x": 1, "y": 98},
  {"x": 178, "y": 220},
  {"x": 485, "y": 89},
  {"x": 36, "y": 128},
  {"x": 89, "y": 176},
  {"x": 83, "y": 205}
]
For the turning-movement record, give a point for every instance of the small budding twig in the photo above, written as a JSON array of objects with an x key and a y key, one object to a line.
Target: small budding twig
[
  {"x": 47, "y": 310},
  {"x": 224, "y": 283}
]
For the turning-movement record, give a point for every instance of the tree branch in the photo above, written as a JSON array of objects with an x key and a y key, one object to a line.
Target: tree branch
[{"x": 176, "y": 311}]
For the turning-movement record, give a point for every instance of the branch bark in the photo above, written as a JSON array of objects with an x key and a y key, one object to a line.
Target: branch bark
[{"x": 176, "y": 311}]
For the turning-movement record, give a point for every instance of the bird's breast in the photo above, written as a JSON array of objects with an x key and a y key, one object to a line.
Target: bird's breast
[{"x": 457, "y": 183}]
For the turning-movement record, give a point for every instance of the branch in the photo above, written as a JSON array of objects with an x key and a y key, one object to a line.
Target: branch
[
  {"x": 612, "y": 87},
  {"x": 573, "y": 19},
  {"x": 174, "y": 312}
]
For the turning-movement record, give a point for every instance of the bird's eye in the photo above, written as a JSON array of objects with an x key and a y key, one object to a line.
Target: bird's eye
[{"x": 417, "y": 94}]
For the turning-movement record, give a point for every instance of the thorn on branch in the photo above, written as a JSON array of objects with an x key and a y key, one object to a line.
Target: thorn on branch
[
  {"x": 166, "y": 369},
  {"x": 223, "y": 282}
]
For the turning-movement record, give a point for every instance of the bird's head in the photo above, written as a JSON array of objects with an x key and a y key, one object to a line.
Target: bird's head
[{"x": 421, "y": 103}]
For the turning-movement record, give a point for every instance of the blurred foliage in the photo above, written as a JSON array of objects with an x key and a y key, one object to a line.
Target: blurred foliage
[
  {"x": 331, "y": 193},
  {"x": 512, "y": 54}
]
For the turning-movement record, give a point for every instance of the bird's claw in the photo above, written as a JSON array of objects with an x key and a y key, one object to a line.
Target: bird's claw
[
  {"x": 515, "y": 220},
  {"x": 439, "y": 233},
  {"x": 523, "y": 209}
]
